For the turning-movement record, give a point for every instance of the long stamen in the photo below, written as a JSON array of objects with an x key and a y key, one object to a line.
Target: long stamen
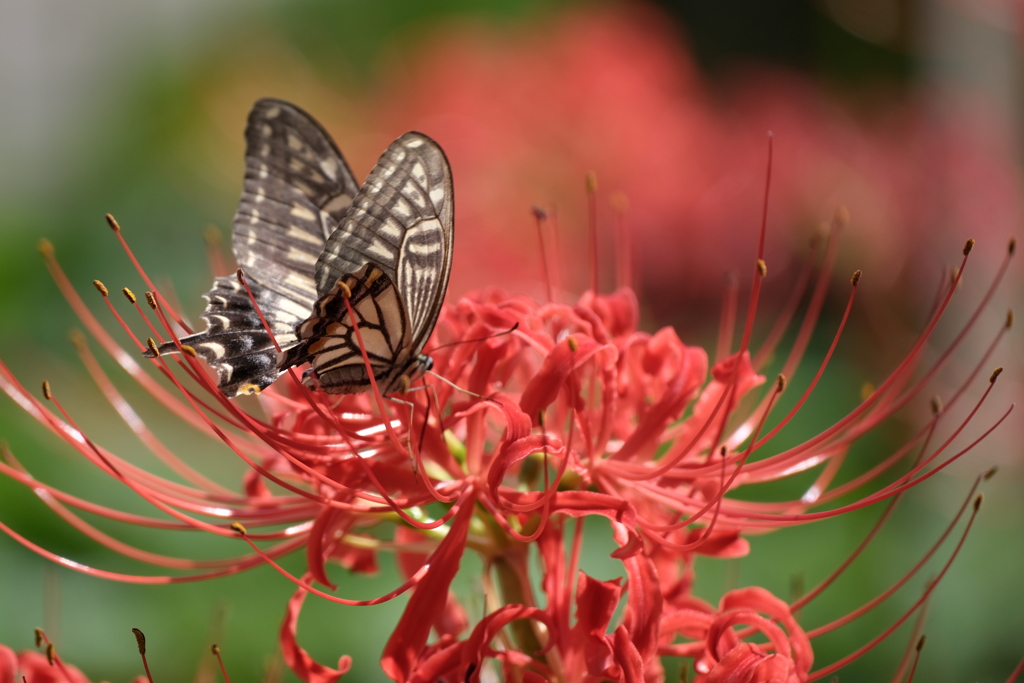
[{"x": 140, "y": 639}]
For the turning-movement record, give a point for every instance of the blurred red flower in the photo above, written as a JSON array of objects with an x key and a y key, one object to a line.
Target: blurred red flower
[{"x": 525, "y": 112}]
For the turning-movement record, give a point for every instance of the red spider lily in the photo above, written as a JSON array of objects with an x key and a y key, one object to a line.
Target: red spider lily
[
  {"x": 549, "y": 412},
  {"x": 523, "y": 111}
]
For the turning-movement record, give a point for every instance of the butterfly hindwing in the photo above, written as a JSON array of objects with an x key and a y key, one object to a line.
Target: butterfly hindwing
[
  {"x": 297, "y": 187},
  {"x": 329, "y": 343}
]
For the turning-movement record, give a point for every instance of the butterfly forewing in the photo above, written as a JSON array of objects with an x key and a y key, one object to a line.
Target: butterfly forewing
[
  {"x": 401, "y": 226},
  {"x": 297, "y": 187},
  {"x": 402, "y": 221},
  {"x": 329, "y": 342}
]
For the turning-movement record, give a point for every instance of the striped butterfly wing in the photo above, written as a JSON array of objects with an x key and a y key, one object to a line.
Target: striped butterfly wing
[
  {"x": 297, "y": 188},
  {"x": 398, "y": 238}
]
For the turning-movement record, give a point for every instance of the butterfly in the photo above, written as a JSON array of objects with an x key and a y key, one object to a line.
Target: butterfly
[{"x": 307, "y": 237}]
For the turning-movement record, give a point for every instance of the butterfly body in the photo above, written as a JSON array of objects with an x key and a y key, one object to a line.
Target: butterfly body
[{"x": 306, "y": 235}]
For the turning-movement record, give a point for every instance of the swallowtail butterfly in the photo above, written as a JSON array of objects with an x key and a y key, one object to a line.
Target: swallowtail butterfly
[{"x": 306, "y": 235}]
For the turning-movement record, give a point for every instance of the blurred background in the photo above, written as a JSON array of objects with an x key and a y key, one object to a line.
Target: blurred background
[{"x": 909, "y": 112}]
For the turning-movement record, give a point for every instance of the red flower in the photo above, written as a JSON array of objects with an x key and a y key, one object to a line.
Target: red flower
[{"x": 565, "y": 411}]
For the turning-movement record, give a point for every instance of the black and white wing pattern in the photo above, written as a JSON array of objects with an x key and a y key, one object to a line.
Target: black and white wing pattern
[
  {"x": 297, "y": 188},
  {"x": 391, "y": 256}
]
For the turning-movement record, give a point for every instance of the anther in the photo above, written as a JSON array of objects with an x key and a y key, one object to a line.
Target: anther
[
  {"x": 45, "y": 248},
  {"x": 240, "y": 276},
  {"x": 722, "y": 451},
  {"x": 842, "y": 216},
  {"x": 46, "y": 390},
  {"x": 140, "y": 638},
  {"x": 151, "y": 300},
  {"x": 1013, "y": 245},
  {"x": 128, "y": 294},
  {"x": 237, "y": 526},
  {"x": 573, "y": 344},
  {"x": 151, "y": 345},
  {"x": 936, "y": 405},
  {"x": 112, "y": 222},
  {"x": 189, "y": 351},
  {"x": 856, "y": 278},
  {"x": 978, "y": 501},
  {"x": 920, "y": 642},
  {"x": 212, "y": 236},
  {"x": 77, "y": 338},
  {"x": 51, "y": 653},
  {"x": 215, "y": 649},
  {"x": 539, "y": 213},
  {"x": 968, "y": 246},
  {"x": 591, "y": 182},
  {"x": 762, "y": 268},
  {"x": 39, "y": 637},
  {"x": 1009, "y": 319},
  {"x": 780, "y": 383},
  {"x": 540, "y": 419},
  {"x": 995, "y": 373},
  {"x": 345, "y": 290},
  {"x": 991, "y": 472},
  {"x": 248, "y": 389},
  {"x": 100, "y": 287}
]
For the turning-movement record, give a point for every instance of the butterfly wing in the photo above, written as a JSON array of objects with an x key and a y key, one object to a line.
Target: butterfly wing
[
  {"x": 401, "y": 224},
  {"x": 297, "y": 187}
]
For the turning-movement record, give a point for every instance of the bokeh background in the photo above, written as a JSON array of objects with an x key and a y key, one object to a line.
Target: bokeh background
[{"x": 909, "y": 112}]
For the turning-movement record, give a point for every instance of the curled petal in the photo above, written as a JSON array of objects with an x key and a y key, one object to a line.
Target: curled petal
[
  {"x": 410, "y": 635},
  {"x": 745, "y": 663},
  {"x": 297, "y": 659}
]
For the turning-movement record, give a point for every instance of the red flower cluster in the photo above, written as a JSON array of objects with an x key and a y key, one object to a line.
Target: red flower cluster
[
  {"x": 550, "y": 413},
  {"x": 523, "y": 111}
]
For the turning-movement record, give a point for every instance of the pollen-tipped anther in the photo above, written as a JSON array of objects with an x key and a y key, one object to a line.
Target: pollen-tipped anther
[
  {"x": 855, "y": 278},
  {"x": 140, "y": 638},
  {"x": 539, "y": 213},
  {"x": 45, "y": 248},
  {"x": 112, "y": 222},
  {"x": 51, "y": 653},
  {"x": 780, "y": 383},
  {"x": 591, "y": 182},
  {"x": 237, "y": 526},
  {"x": 936, "y": 405},
  {"x": 1013, "y": 245},
  {"x": 344, "y": 289},
  {"x": 212, "y": 236},
  {"x": 128, "y": 294},
  {"x": 189, "y": 351},
  {"x": 151, "y": 345},
  {"x": 842, "y": 216},
  {"x": 215, "y": 649},
  {"x": 762, "y": 267},
  {"x": 920, "y": 642},
  {"x": 978, "y": 501},
  {"x": 995, "y": 373},
  {"x": 573, "y": 344},
  {"x": 1009, "y": 319},
  {"x": 990, "y": 472},
  {"x": 77, "y": 338},
  {"x": 46, "y": 390},
  {"x": 240, "y": 276},
  {"x": 100, "y": 287},
  {"x": 39, "y": 637},
  {"x": 151, "y": 300},
  {"x": 968, "y": 246}
]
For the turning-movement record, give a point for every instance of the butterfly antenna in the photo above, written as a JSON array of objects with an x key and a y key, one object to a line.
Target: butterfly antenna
[{"x": 471, "y": 341}]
